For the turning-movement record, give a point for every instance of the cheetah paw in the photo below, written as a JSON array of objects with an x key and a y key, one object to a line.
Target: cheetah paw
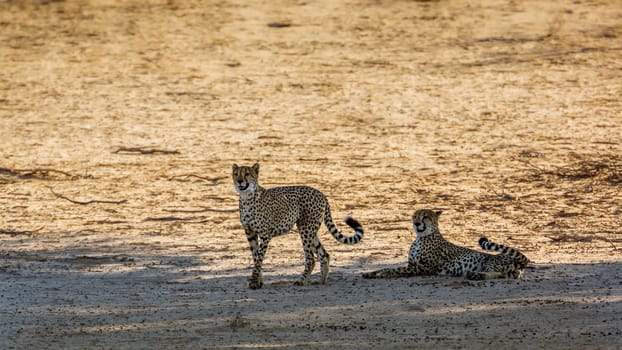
[
  {"x": 373, "y": 274},
  {"x": 255, "y": 284},
  {"x": 301, "y": 282}
]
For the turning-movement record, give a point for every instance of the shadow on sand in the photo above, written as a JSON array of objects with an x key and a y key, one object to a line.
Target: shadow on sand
[{"x": 73, "y": 299}]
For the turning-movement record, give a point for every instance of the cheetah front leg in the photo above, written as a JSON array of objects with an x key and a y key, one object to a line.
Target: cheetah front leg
[
  {"x": 404, "y": 271},
  {"x": 258, "y": 250},
  {"x": 478, "y": 275}
]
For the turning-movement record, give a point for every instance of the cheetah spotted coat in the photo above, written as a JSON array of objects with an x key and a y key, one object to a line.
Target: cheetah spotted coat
[
  {"x": 268, "y": 213},
  {"x": 431, "y": 254}
]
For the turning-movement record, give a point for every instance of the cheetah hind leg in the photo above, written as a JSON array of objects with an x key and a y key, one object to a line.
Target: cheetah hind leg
[
  {"x": 312, "y": 246},
  {"x": 324, "y": 262},
  {"x": 304, "y": 279},
  {"x": 309, "y": 263}
]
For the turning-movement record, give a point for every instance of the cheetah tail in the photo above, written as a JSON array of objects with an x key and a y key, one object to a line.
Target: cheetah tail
[
  {"x": 358, "y": 228},
  {"x": 514, "y": 253}
]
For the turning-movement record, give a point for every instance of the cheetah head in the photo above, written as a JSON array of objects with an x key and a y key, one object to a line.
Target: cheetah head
[
  {"x": 425, "y": 222},
  {"x": 245, "y": 178}
]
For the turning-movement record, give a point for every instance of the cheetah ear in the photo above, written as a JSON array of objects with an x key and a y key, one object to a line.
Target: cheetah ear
[
  {"x": 235, "y": 167},
  {"x": 439, "y": 212},
  {"x": 256, "y": 168}
]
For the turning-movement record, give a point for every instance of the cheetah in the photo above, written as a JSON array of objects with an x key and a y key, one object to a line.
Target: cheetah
[
  {"x": 431, "y": 254},
  {"x": 268, "y": 213}
]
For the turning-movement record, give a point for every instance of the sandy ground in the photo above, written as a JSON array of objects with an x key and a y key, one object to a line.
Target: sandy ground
[{"x": 505, "y": 114}]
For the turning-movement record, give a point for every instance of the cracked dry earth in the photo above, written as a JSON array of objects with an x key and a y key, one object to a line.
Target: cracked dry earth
[{"x": 119, "y": 122}]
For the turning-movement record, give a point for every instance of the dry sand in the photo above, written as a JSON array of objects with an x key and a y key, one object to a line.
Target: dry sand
[{"x": 505, "y": 114}]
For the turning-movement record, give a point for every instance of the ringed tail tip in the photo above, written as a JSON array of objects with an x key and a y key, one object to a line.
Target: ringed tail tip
[{"x": 351, "y": 221}]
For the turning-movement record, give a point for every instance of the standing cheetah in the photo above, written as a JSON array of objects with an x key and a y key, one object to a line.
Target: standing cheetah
[
  {"x": 267, "y": 213},
  {"x": 431, "y": 254}
]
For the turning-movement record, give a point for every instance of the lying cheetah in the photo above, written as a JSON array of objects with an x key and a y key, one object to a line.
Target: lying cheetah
[
  {"x": 267, "y": 213},
  {"x": 431, "y": 254}
]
